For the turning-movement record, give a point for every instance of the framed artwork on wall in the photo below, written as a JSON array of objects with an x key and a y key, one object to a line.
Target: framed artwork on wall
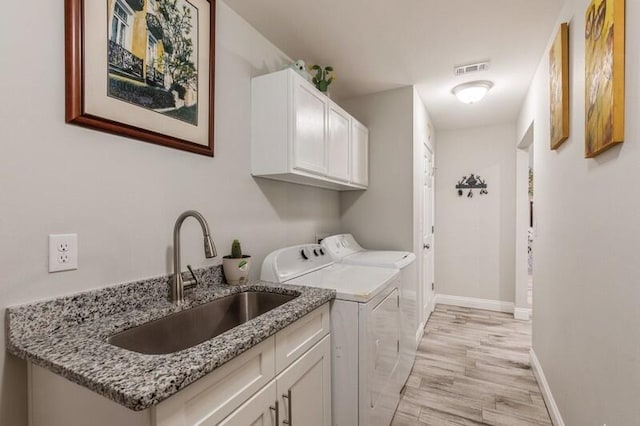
[
  {"x": 604, "y": 75},
  {"x": 143, "y": 69},
  {"x": 559, "y": 87}
]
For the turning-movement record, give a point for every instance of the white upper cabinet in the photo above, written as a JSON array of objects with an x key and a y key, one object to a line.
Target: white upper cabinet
[
  {"x": 359, "y": 154},
  {"x": 338, "y": 142},
  {"x": 309, "y": 147},
  {"x": 299, "y": 135}
]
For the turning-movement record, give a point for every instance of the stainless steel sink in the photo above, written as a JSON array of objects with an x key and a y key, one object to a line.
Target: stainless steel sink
[{"x": 188, "y": 328}]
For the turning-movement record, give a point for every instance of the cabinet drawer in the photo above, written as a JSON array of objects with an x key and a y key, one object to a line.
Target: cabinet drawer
[
  {"x": 300, "y": 336},
  {"x": 260, "y": 410},
  {"x": 213, "y": 397}
]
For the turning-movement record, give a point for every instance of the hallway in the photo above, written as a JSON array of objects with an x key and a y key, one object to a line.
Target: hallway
[{"x": 472, "y": 368}]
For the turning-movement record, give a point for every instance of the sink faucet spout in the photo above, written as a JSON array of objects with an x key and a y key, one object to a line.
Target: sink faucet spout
[{"x": 178, "y": 284}]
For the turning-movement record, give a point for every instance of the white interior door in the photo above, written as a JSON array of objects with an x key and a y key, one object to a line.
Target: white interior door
[{"x": 427, "y": 236}]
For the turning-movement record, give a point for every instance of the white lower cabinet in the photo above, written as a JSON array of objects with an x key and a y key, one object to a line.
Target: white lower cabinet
[
  {"x": 249, "y": 390},
  {"x": 260, "y": 410},
  {"x": 304, "y": 389},
  {"x": 213, "y": 397},
  {"x": 302, "y": 392}
]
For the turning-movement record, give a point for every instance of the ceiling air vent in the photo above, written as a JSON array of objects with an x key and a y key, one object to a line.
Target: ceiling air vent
[{"x": 469, "y": 68}]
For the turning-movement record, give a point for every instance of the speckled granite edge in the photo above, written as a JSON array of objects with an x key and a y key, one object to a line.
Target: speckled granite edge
[
  {"x": 68, "y": 335},
  {"x": 49, "y": 316}
]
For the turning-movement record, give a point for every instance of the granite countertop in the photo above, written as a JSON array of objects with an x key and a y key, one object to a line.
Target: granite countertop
[{"x": 68, "y": 335}]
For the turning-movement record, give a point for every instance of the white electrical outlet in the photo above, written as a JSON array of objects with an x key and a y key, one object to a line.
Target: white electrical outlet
[{"x": 63, "y": 252}]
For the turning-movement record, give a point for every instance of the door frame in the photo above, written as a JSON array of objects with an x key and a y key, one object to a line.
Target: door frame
[
  {"x": 522, "y": 310},
  {"x": 426, "y": 293}
]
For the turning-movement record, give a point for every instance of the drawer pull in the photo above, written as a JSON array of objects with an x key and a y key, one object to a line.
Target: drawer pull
[
  {"x": 288, "y": 398},
  {"x": 277, "y": 410}
]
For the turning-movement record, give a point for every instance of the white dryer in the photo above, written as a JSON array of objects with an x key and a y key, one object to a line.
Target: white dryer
[
  {"x": 344, "y": 249},
  {"x": 365, "y": 330}
]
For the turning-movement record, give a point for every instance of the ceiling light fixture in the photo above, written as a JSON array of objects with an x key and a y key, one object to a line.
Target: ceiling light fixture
[{"x": 472, "y": 92}]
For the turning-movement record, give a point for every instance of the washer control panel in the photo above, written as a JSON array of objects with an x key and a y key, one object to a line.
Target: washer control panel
[
  {"x": 291, "y": 262},
  {"x": 340, "y": 246}
]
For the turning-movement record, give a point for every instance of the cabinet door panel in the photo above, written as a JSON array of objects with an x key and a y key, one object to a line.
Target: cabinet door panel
[
  {"x": 338, "y": 144},
  {"x": 259, "y": 410},
  {"x": 309, "y": 130},
  {"x": 304, "y": 389},
  {"x": 359, "y": 154}
]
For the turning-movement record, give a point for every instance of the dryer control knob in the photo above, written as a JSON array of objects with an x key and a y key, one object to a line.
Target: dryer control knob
[
  {"x": 304, "y": 253},
  {"x": 322, "y": 252},
  {"x": 315, "y": 252}
]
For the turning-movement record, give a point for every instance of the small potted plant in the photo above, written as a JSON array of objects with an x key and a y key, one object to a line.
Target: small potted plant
[
  {"x": 236, "y": 265},
  {"x": 322, "y": 77}
]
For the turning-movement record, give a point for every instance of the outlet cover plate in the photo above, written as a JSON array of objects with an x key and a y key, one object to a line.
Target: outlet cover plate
[{"x": 63, "y": 252}]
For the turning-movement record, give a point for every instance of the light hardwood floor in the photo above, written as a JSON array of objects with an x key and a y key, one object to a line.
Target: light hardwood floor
[{"x": 472, "y": 368}]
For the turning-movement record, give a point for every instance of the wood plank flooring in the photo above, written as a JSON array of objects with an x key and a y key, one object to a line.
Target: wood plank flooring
[{"x": 472, "y": 368}]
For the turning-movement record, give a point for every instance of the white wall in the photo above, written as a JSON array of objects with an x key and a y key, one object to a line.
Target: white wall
[
  {"x": 586, "y": 327},
  {"x": 122, "y": 196},
  {"x": 475, "y": 253},
  {"x": 388, "y": 215},
  {"x": 382, "y": 216}
]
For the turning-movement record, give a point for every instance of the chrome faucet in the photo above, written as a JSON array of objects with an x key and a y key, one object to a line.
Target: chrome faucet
[{"x": 178, "y": 284}]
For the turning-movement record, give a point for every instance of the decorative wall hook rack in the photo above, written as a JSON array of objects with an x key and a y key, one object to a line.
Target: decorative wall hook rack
[{"x": 471, "y": 182}]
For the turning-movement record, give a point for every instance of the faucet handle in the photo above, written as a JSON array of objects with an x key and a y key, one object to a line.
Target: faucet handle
[{"x": 195, "y": 279}]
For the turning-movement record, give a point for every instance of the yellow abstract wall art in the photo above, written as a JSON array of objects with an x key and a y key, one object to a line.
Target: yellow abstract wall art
[
  {"x": 559, "y": 87},
  {"x": 604, "y": 75}
]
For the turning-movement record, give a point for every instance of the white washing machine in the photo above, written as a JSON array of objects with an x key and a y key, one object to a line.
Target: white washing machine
[
  {"x": 365, "y": 330},
  {"x": 344, "y": 249}
]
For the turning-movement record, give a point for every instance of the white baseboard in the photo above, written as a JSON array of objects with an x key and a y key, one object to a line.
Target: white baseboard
[
  {"x": 432, "y": 304},
  {"x": 523, "y": 314},
  {"x": 552, "y": 407},
  {"x": 470, "y": 302},
  {"x": 420, "y": 333}
]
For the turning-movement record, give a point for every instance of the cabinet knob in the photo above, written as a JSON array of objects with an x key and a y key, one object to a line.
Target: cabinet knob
[{"x": 426, "y": 246}]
